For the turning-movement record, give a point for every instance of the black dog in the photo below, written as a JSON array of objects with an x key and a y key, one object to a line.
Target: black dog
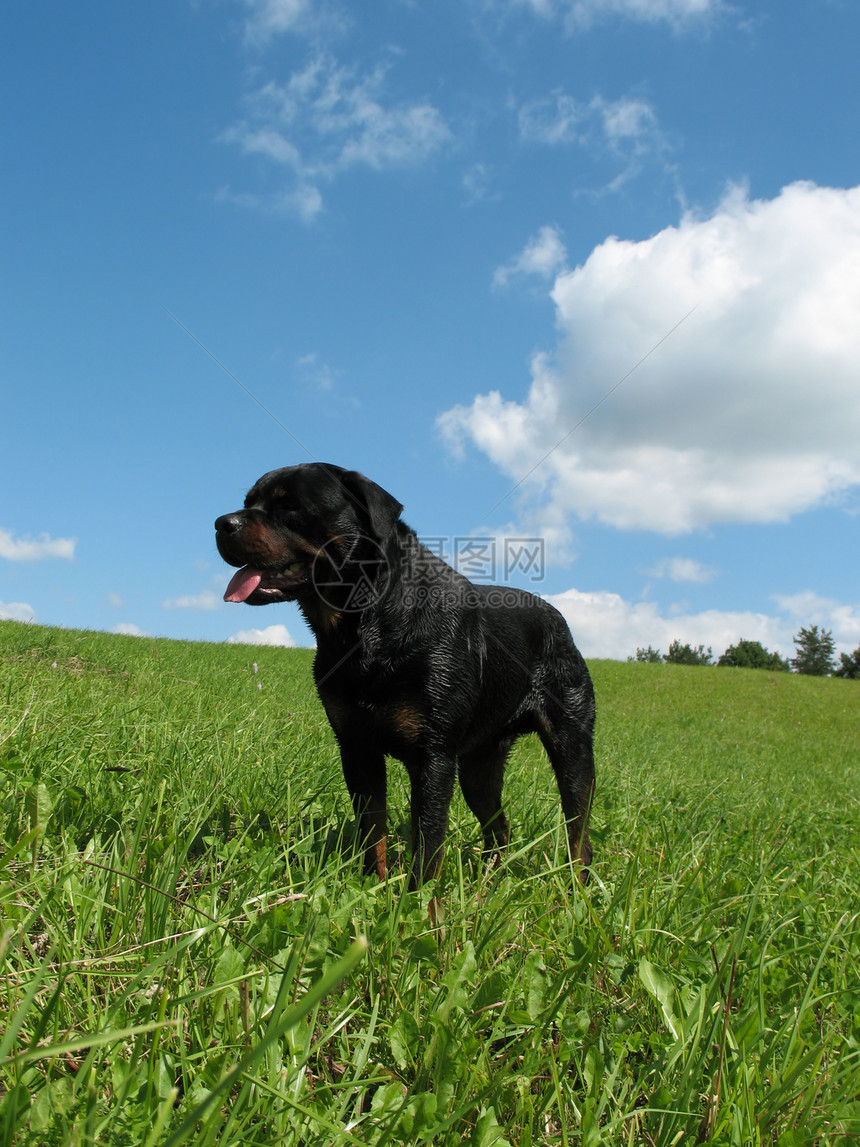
[{"x": 413, "y": 660}]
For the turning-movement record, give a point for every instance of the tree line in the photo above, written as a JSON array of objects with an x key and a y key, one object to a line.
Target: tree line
[{"x": 815, "y": 655}]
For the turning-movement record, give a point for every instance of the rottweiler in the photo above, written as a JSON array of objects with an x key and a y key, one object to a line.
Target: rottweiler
[{"x": 413, "y": 660}]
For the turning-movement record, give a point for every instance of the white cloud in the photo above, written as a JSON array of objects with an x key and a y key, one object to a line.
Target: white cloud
[
  {"x": 304, "y": 201},
  {"x": 16, "y": 611},
  {"x": 204, "y": 600},
  {"x": 626, "y": 119},
  {"x": 682, "y": 569},
  {"x": 271, "y": 635},
  {"x": 35, "y": 549},
  {"x": 272, "y": 17},
  {"x": 477, "y": 181},
  {"x": 748, "y": 412},
  {"x": 316, "y": 373},
  {"x": 561, "y": 119},
  {"x": 268, "y": 19},
  {"x": 326, "y": 119},
  {"x": 544, "y": 8},
  {"x": 265, "y": 141},
  {"x": 627, "y": 129},
  {"x": 605, "y": 625},
  {"x": 673, "y": 11},
  {"x": 812, "y": 609},
  {"x": 391, "y": 137},
  {"x": 545, "y": 256},
  {"x": 582, "y": 13},
  {"x": 128, "y": 629}
]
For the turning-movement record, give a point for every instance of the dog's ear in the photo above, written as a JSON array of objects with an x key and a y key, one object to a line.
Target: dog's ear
[{"x": 381, "y": 508}]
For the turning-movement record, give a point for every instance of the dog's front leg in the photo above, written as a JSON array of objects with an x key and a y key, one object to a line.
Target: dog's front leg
[
  {"x": 432, "y": 777},
  {"x": 364, "y": 773}
]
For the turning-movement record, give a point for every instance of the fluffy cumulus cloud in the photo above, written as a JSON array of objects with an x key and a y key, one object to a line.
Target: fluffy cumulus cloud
[
  {"x": 606, "y": 625},
  {"x": 271, "y": 635},
  {"x": 35, "y": 549},
  {"x": 743, "y": 405},
  {"x": 326, "y": 119}
]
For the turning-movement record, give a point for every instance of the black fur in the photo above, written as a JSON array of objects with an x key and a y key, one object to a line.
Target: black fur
[{"x": 413, "y": 660}]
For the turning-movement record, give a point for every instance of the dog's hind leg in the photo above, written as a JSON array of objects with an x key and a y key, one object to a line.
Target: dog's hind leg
[
  {"x": 481, "y": 776},
  {"x": 569, "y": 745}
]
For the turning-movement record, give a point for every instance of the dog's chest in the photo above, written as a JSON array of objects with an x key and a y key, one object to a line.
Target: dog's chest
[{"x": 391, "y": 722}]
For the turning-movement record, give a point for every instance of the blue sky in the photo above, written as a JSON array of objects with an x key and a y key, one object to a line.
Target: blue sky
[{"x": 586, "y": 271}]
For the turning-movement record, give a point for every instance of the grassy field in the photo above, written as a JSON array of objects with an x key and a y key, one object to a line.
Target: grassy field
[{"x": 190, "y": 955}]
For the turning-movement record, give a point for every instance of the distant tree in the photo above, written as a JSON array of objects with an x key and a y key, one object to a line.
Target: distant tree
[
  {"x": 815, "y": 650},
  {"x": 849, "y": 665},
  {"x": 650, "y": 655},
  {"x": 686, "y": 655},
  {"x": 752, "y": 655}
]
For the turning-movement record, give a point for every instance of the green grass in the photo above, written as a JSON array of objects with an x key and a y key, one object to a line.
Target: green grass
[{"x": 190, "y": 955}]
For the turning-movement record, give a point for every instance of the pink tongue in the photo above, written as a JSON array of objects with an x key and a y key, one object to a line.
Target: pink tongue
[{"x": 243, "y": 584}]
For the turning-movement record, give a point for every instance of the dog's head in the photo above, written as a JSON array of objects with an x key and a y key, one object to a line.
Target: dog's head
[{"x": 305, "y": 530}]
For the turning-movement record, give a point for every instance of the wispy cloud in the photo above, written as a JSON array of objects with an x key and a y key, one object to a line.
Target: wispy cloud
[
  {"x": 316, "y": 373},
  {"x": 268, "y": 19},
  {"x": 554, "y": 120},
  {"x": 477, "y": 183},
  {"x": 625, "y": 130},
  {"x": 205, "y": 600},
  {"x": 544, "y": 255},
  {"x": 628, "y": 120},
  {"x": 326, "y": 119},
  {"x": 683, "y": 570},
  {"x": 35, "y": 549},
  {"x": 303, "y": 201},
  {"x": 580, "y": 14}
]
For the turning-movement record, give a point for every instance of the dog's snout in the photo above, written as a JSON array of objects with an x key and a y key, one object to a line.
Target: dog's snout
[{"x": 228, "y": 523}]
